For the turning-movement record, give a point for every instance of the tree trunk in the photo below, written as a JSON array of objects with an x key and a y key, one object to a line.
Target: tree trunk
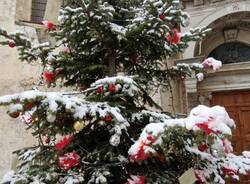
[{"x": 112, "y": 67}]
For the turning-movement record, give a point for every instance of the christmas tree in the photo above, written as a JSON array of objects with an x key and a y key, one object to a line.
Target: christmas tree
[{"x": 106, "y": 130}]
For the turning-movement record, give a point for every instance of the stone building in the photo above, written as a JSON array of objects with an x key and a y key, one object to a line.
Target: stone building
[
  {"x": 25, "y": 16},
  {"x": 228, "y": 41},
  {"x": 14, "y": 76}
]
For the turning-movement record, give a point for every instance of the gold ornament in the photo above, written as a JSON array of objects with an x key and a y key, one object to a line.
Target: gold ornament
[{"x": 79, "y": 125}]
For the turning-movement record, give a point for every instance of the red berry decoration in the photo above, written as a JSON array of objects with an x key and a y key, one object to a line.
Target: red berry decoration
[
  {"x": 150, "y": 138},
  {"x": 140, "y": 155},
  {"x": 174, "y": 37},
  {"x": 14, "y": 114},
  {"x": 229, "y": 171},
  {"x": 49, "y": 25},
  {"x": 136, "y": 180},
  {"x": 202, "y": 147},
  {"x": 49, "y": 76},
  {"x": 29, "y": 106},
  {"x": 69, "y": 160},
  {"x": 205, "y": 128},
  {"x": 99, "y": 89},
  {"x": 112, "y": 88},
  {"x": 66, "y": 50},
  {"x": 63, "y": 143},
  {"x": 108, "y": 118},
  {"x": 162, "y": 16},
  {"x": 11, "y": 44}
]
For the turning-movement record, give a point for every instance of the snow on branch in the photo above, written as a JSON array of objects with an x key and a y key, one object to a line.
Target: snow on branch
[
  {"x": 215, "y": 157},
  {"x": 52, "y": 104}
]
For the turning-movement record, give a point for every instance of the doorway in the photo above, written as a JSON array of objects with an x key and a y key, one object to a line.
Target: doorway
[{"x": 237, "y": 104}]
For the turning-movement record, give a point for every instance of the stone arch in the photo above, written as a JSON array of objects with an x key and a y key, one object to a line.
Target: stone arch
[
  {"x": 234, "y": 27},
  {"x": 213, "y": 14},
  {"x": 229, "y": 8}
]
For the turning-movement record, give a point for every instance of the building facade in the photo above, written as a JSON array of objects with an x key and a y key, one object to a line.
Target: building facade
[
  {"x": 229, "y": 41},
  {"x": 14, "y": 76}
]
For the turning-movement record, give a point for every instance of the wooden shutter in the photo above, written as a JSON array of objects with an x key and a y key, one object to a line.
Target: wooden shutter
[{"x": 38, "y": 10}]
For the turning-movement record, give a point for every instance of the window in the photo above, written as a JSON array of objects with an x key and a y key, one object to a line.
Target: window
[
  {"x": 33, "y": 12},
  {"x": 38, "y": 10},
  {"x": 232, "y": 52}
]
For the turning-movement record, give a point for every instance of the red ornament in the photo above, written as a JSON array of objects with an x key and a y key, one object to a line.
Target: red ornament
[
  {"x": 63, "y": 143},
  {"x": 111, "y": 88},
  {"x": 160, "y": 157},
  {"x": 66, "y": 50},
  {"x": 11, "y": 44},
  {"x": 150, "y": 138},
  {"x": 49, "y": 25},
  {"x": 14, "y": 114},
  {"x": 140, "y": 155},
  {"x": 199, "y": 174},
  {"x": 99, "y": 89},
  {"x": 108, "y": 118},
  {"x": 162, "y": 16},
  {"x": 136, "y": 180},
  {"x": 202, "y": 147},
  {"x": 173, "y": 38},
  {"x": 69, "y": 160},
  {"x": 141, "y": 180},
  {"x": 205, "y": 128},
  {"x": 29, "y": 106},
  {"x": 229, "y": 171},
  {"x": 49, "y": 76}
]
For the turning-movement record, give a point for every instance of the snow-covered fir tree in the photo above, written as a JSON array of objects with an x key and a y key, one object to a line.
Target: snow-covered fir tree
[{"x": 104, "y": 132}]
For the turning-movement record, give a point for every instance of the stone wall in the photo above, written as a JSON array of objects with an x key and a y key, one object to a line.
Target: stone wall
[
  {"x": 14, "y": 77},
  {"x": 210, "y": 11}
]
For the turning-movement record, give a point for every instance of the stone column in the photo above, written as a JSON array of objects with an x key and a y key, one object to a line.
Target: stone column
[{"x": 191, "y": 93}]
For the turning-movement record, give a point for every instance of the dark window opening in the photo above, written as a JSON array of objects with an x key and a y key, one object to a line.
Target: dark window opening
[
  {"x": 38, "y": 10},
  {"x": 232, "y": 52}
]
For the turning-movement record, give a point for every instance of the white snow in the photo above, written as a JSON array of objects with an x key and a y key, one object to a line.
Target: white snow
[
  {"x": 118, "y": 29},
  {"x": 220, "y": 155},
  {"x": 126, "y": 85},
  {"x": 113, "y": 80},
  {"x": 216, "y": 118},
  {"x": 200, "y": 76},
  {"x": 213, "y": 63},
  {"x": 78, "y": 107}
]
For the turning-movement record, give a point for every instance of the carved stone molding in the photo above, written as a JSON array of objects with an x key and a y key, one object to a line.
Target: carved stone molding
[
  {"x": 230, "y": 77},
  {"x": 230, "y": 34},
  {"x": 191, "y": 85},
  {"x": 198, "y": 2}
]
